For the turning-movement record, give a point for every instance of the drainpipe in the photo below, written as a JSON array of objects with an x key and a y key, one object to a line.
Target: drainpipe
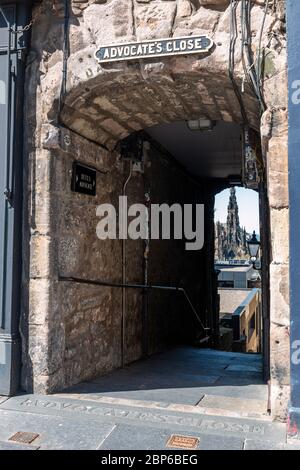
[
  {"x": 146, "y": 277},
  {"x": 124, "y": 222},
  {"x": 66, "y": 52}
]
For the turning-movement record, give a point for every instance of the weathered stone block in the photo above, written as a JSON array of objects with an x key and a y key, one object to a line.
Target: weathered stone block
[
  {"x": 279, "y": 298},
  {"x": 280, "y": 396},
  {"x": 41, "y": 260},
  {"x": 279, "y": 221},
  {"x": 280, "y": 354},
  {"x": 155, "y": 20}
]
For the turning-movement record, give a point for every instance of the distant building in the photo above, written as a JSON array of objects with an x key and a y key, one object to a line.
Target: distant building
[
  {"x": 230, "y": 238},
  {"x": 240, "y": 320},
  {"x": 237, "y": 276}
]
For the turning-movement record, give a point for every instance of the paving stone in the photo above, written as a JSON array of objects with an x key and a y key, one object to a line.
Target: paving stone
[
  {"x": 148, "y": 438},
  {"x": 4, "y": 445},
  {"x": 224, "y": 354},
  {"x": 235, "y": 379},
  {"x": 55, "y": 432},
  {"x": 133, "y": 381},
  {"x": 191, "y": 354},
  {"x": 243, "y": 357},
  {"x": 182, "y": 388},
  {"x": 211, "y": 442},
  {"x": 187, "y": 396},
  {"x": 180, "y": 396},
  {"x": 91, "y": 411},
  {"x": 141, "y": 418},
  {"x": 176, "y": 368},
  {"x": 180, "y": 376},
  {"x": 192, "y": 375},
  {"x": 251, "y": 444},
  {"x": 244, "y": 368},
  {"x": 239, "y": 405},
  {"x": 224, "y": 386},
  {"x": 292, "y": 444},
  {"x": 252, "y": 391}
]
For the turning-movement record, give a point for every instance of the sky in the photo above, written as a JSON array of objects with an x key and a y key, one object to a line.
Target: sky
[{"x": 248, "y": 208}]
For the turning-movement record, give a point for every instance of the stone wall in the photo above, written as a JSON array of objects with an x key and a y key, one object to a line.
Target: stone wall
[
  {"x": 107, "y": 103},
  {"x": 274, "y": 124}
]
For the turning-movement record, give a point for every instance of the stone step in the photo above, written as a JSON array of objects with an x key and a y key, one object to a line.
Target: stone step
[
  {"x": 242, "y": 407},
  {"x": 212, "y": 405},
  {"x": 87, "y": 411}
]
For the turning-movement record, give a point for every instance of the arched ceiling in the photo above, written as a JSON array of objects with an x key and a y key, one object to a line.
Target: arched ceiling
[
  {"x": 208, "y": 154},
  {"x": 113, "y": 105}
]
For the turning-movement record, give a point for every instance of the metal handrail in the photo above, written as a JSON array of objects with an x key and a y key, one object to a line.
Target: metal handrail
[{"x": 136, "y": 286}]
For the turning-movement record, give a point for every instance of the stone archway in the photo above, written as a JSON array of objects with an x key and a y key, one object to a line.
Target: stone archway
[{"x": 104, "y": 104}]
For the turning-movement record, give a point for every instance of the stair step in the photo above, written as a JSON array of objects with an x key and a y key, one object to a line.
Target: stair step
[
  {"x": 252, "y": 408},
  {"x": 212, "y": 406}
]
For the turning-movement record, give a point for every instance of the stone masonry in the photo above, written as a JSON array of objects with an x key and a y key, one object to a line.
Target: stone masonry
[{"x": 101, "y": 105}]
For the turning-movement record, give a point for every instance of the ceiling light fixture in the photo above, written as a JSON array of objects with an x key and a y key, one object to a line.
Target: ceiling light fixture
[
  {"x": 235, "y": 180},
  {"x": 202, "y": 124}
]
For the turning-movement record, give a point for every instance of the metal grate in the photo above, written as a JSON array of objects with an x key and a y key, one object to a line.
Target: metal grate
[
  {"x": 24, "y": 437},
  {"x": 183, "y": 442}
]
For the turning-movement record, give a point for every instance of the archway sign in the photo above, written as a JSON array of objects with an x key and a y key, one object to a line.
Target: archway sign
[{"x": 154, "y": 48}]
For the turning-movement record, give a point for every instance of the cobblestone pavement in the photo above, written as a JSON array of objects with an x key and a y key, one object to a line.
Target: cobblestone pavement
[{"x": 217, "y": 398}]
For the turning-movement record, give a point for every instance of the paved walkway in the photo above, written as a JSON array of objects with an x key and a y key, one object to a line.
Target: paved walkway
[
  {"x": 217, "y": 398},
  {"x": 229, "y": 383}
]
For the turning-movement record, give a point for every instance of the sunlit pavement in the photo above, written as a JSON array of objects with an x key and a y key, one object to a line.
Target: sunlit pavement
[{"x": 202, "y": 398}]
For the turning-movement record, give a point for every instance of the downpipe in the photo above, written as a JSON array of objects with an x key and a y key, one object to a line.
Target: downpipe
[
  {"x": 146, "y": 274},
  {"x": 123, "y": 319}
]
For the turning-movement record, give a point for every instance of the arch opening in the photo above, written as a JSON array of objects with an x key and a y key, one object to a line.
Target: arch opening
[
  {"x": 167, "y": 163},
  {"x": 150, "y": 112},
  {"x": 111, "y": 106},
  {"x": 103, "y": 105}
]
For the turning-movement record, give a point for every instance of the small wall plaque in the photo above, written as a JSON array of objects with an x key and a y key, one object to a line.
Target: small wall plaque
[
  {"x": 154, "y": 48},
  {"x": 84, "y": 179}
]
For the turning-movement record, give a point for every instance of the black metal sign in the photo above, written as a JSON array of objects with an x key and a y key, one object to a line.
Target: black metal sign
[
  {"x": 84, "y": 179},
  {"x": 155, "y": 48}
]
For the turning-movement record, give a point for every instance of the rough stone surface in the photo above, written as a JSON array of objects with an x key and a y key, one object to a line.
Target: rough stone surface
[{"x": 104, "y": 104}]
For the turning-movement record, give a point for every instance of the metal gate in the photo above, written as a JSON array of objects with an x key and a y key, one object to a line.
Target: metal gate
[{"x": 13, "y": 17}]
